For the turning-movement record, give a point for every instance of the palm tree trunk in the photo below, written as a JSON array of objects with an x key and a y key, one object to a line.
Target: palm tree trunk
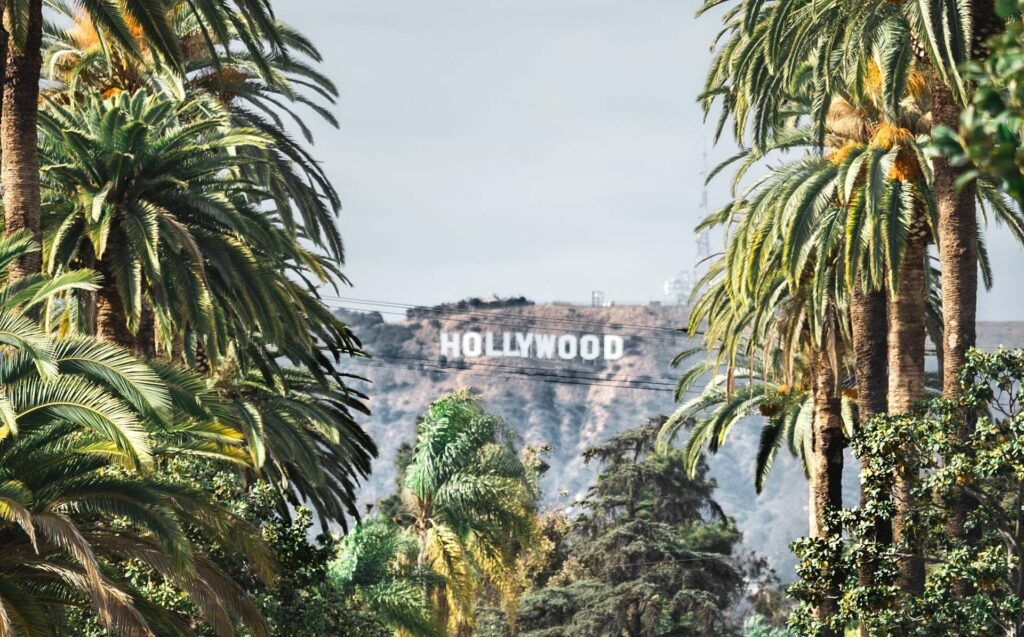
[
  {"x": 19, "y": 167},
  {"x": 111, "y": 319},
  {"x": 829, "y": 441},
  {"x": 869, "y": 326},
  {"x": 812, "y": 514},
  {"x": 440, "y": 599},
  {"x": 827, "y": 470},
  {"x": 4, "y": 44},
  {"x": 958, "y": 256},
  {"x": 906, "y": 384},
  {"x": 145, "y": 338},
  {"x": 958, "y": 250},
  {"x": 869, "y": 319},
  {"x": 87, "y": 300}
]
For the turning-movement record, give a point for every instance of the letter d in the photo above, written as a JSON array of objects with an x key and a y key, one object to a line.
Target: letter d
[{"x": 613, "y": 347}]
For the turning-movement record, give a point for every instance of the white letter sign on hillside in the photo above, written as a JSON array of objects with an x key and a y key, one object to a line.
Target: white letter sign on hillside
[{"x": 567, "y": 347}]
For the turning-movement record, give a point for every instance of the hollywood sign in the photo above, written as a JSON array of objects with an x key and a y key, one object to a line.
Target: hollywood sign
[{"x": 588, "y": 347}]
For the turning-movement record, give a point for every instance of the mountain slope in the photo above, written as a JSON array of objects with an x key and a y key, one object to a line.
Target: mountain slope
[{"x": 569, "y": 405}]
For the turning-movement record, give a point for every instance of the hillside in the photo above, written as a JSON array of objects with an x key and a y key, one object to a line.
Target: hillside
[{"x": 570, "y": 404}]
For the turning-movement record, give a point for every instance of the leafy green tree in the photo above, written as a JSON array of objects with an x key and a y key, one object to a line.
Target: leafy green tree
[
  {"x": 987, "y": 141},
  {"x": 302, "y": 601},
  {"x": 649, "y": 554},
  {"x": 757, "y": 627},
  {"x": 986, "y": 468}
]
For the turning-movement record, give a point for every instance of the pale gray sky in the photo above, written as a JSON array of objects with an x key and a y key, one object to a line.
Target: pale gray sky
[{"x": 544, "y": 148}]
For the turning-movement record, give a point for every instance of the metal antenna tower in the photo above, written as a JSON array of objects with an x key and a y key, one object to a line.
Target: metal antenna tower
[{"x": 679, "y": 288}]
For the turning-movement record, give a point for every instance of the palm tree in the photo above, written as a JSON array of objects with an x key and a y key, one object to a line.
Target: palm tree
[
  {"x": 376, "y": 568},
  {"x": 81, "y": 422},
  {"x": 21, "y": 40},
  {"x": 471, "y": 503},
  {"x": 178, "y": 231},
  {"x": 770, "y": 47},
  {"x": 303, "y": 439},
  {"x": 257, "y": 92},
  {"x": 747, "y": 390},
  {"x": 183, "y": 194},
  {"x": 60, "y": 491},
  {"x": 127, "y": 185},
  {"x": 800, "y": 323}
]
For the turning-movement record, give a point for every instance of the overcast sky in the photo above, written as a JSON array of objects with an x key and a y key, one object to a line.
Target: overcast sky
[{"x": 544, "y": 148}]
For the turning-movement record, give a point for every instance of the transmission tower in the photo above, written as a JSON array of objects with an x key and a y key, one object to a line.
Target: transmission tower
[{"x": 679, "y": 288}]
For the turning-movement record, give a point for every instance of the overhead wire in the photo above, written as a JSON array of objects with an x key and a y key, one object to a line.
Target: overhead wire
[
  {"x": 460, "y": 364},
  {"x": 453, "y": 311},
  {"x": 520, "y": 322},
  {"x": 503, "y": 318},
  {"x": 369, "y": 362}
]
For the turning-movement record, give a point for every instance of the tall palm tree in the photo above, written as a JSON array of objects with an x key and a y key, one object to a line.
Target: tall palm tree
[
  {"x": 801, "y": 323},
  {"x": 128, "y": 184},
  {"x": 81, "y": 422},
  {"x": 768, "y": 47},
  {"x": 471, "y": 503},
  {"x": 21, "y": 39},
  {"x": 817, "y": 373},
  {"x": 183, "y": 194},
  {"x": 179, "y": 231},
  {"x": 376, "y": 568},
  {"x": 257, "y": 92}
]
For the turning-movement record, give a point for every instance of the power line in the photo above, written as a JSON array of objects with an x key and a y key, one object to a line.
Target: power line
[
  {"x": 497, "y": 318},
  {"x": 525, "y": 369},
  {"x": 523, "y": 321},
  {"x": 458, "y": 312},
  {"x": 540, "y": 378},
  {"x": 368, "y": 362}
]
